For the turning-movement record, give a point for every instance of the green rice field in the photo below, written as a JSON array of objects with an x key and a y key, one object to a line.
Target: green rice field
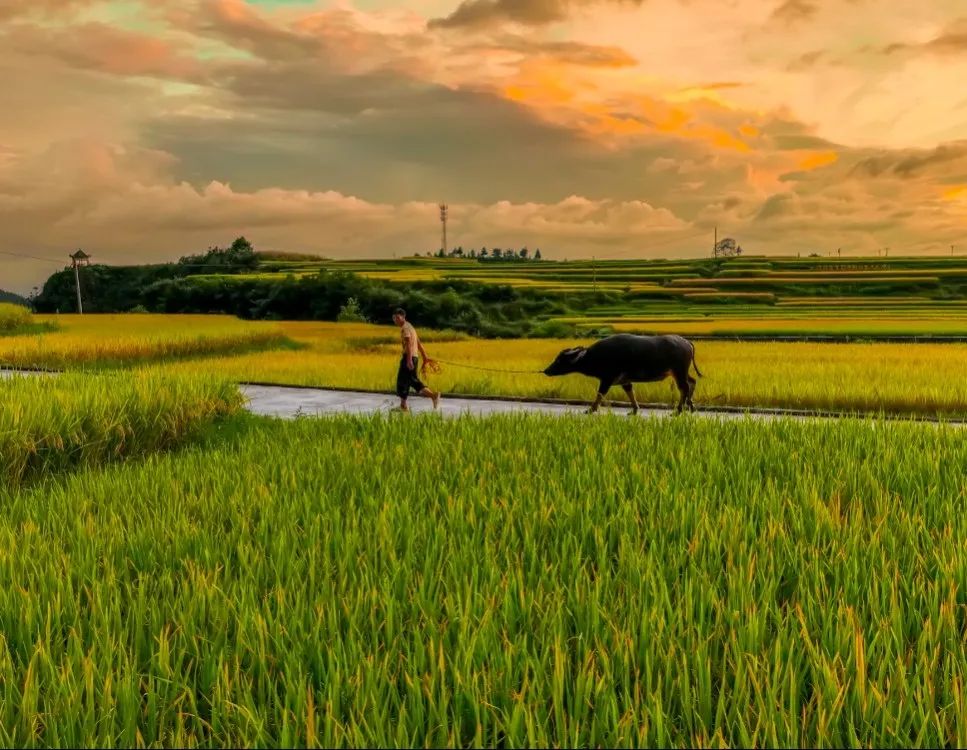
[{"x": 545, "y": 582}]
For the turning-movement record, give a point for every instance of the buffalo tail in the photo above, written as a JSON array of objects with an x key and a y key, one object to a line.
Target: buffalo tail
[{"x": 694, "y": 363}]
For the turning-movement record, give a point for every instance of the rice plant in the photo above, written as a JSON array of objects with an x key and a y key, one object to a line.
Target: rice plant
[
  {"x": 515, "y": 582},
  {"x": 99, "y": 341},
  {"x": 15, "y": 319},
  {"x": 49, "y": 424}
]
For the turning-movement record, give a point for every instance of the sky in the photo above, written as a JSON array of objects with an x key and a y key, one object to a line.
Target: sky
[{"x": 143, "y": 131}]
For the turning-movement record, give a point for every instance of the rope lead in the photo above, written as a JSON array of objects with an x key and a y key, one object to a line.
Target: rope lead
[{"x": 433, "y": 366}]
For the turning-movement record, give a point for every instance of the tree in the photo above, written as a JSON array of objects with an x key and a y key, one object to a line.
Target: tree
[
  {"x": 473, "y": 253},
  {"x": 440, "y": 253},
  {"x": 240, "y": 255},
  {"x": 537, "y": 254},
  {"x": 727, "y": 248},
  {"x": 496, "y": 253},
  {"x": 523, "y": 253},
  {"x": 483, "y": 252},
  {"x": 350, "y": 312}
]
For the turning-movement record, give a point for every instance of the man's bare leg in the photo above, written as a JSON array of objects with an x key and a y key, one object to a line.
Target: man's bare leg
[{"x": 434, "y": 397}]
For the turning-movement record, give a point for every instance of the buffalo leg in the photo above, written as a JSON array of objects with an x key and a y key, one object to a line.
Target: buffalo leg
[
  {"x": 691, "y": 392},
  {"x": 629, "y": 389},
  {"x": 682, "y": 383},
  {"x": 603, "y": 387}
]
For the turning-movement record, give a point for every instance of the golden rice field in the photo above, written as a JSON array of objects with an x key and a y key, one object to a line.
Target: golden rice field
[
  {"x": 900, "y": 378},
  {"x": 919, "y": 379},
  {"x": 108, "y": 340},
  {"x": 811, "y": 325},
  {"x": 16, "y": 319}
]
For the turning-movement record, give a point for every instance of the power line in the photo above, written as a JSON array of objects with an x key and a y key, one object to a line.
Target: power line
[{"x": 33, "y": 257}]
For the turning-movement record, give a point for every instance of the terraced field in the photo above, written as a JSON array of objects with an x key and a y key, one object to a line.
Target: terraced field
[{"x": 748, "y": 296}]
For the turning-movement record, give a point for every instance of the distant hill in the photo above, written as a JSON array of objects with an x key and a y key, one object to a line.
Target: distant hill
[{"x": 14, "y": 299}]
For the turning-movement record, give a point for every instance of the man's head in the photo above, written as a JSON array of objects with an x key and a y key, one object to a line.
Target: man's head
[
  {"x": 566, "y": 362},
  {"x": 399, "y": 316}
]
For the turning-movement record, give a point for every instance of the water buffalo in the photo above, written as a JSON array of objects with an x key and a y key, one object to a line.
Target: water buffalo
[{"x": 625, "y": 359}]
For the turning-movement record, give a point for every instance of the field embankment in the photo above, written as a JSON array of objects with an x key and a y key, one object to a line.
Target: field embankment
[
  {"x": 51, "y": 424},
  {"x": 545, "y": 582}
]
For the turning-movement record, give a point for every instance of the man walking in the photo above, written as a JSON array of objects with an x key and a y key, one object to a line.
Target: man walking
[{"x": 408, "y": 375}]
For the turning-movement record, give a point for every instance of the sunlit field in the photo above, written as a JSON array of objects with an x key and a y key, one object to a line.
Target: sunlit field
[
  {"x": 901, "y": 378},
  {"x": 520, "y": 582},
  {"x": 15, "y": 319},
  {"x": 915, "y": 379},
  {"x": 109, "y": 340}
]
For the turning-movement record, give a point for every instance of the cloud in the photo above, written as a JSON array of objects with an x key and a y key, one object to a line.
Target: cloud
[
  {"x": 947, "y": 161},
  {"x": 125, "y": 206},
  {"x": 571, "y": 53},
  {"x": 476, "y": 14},
  {"x": 103, "y": 48},
  {"x": 42, "y": 8},
  {"x": 951, "y": 41},
  {"x": 795, "y": 11},
  {"x": 220, "y": 114}
]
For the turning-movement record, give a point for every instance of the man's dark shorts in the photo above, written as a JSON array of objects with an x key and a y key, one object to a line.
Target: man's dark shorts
[{"x": 407, "y": 378}]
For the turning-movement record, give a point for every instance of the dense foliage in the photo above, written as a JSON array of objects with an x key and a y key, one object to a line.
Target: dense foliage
[{"x": 485, "y": 310}]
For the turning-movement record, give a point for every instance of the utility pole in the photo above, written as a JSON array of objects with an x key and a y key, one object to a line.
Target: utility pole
[
  {"x": 444, "y": 210},
  {"x": 78, "y": 259},
  {"x": 715, "y": 242}
]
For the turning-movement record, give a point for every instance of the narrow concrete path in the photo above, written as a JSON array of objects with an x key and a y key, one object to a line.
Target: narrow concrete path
[{"x": 290, "y": 402}]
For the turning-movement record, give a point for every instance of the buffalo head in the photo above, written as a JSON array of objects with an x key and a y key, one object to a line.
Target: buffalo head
[{"x": 566, "y": 362}]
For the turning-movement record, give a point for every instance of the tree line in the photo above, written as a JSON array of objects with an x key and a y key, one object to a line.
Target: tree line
[
  {"x": 210, "y": 283},
  {"x": 493, "y": 254}
]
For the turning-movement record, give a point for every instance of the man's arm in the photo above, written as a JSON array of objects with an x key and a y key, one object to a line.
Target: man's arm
[{"x": 419, "y": 345}]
